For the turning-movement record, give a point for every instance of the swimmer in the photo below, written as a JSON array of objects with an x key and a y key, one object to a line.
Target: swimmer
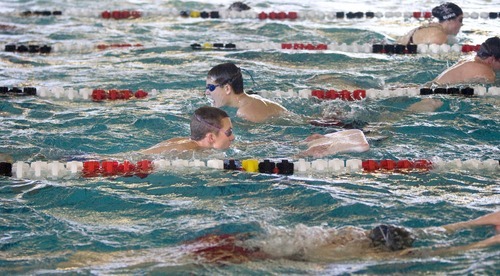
[
  {"x": 225, "y": 88},
  {"x": 450, "y": 18},
  {"x": 211, "y": 128},
  {"x": 333, "y": 244},
  {"x": 383, "y": 241},
  {"x": 352, "y": 140},
  {"x": 481, "y": 68}
]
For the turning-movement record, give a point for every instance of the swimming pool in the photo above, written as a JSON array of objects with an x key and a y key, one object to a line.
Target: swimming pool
[{"x": 132, "y": 225}]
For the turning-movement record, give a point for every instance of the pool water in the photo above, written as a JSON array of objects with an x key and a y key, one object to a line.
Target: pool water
[{"x": 134, "y": 225}]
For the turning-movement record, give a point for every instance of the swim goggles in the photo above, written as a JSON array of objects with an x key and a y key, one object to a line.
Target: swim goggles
[
  {"x": 211, "y": 87},
  {"x": 228, "y": 132}
]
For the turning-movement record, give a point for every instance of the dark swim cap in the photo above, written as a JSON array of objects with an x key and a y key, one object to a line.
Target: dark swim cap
[
  {"x": 239, "y": 6},
  {"x": 391, "y": 237},
  {"x": 490, "y": 48},
  {"x": 446, "y": 11}
]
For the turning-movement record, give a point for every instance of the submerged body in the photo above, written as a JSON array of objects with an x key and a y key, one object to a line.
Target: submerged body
[{"x": 352, "y": 140}]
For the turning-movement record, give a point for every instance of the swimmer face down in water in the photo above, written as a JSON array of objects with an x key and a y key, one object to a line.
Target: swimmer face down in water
[
  {"x": 383, "y": 241},
  {"x": 336, "y": 244}
]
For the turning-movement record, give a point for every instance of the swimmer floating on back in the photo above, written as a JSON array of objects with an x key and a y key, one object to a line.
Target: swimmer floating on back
[{"x": 450, "y": 18}]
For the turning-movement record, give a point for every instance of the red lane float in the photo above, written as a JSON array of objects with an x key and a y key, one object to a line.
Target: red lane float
[
  {"x": 123, "y": 14},
  {"x": 278, "y": 15},
  {"x": 344, "y": 95},
  {"x": 114, "y": 168},
  {"x": 99, "y": 95},
  {"x": 396, "y": 165}
]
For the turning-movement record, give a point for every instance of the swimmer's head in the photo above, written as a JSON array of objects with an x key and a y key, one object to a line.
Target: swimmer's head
[
  {"x": 227, "y": 73},
  {"x": 207, "y": 119},
  {"x": 447, "y": 11},
  {"x": 391, "y": 237},
  {"x": 490, "y": 48},
  {"x": 239, "y": 6}
]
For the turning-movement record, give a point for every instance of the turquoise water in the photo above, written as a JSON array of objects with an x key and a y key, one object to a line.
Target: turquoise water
[{"x": 91, "y": 226}]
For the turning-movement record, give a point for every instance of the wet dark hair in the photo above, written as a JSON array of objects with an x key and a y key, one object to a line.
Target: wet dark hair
[
  {"x": 227, "y": 73},
  {"x": 446, "y": 11},
  {"x": 391, "y": 237},
  {"x": 490, "y": 48},
  {"x": 206, "y": 119},
  {"x": 239, "y": 6}
]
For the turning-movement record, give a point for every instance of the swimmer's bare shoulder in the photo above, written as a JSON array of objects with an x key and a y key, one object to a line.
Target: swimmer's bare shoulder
[
  {"x": 468, "y": 71},
  {"x": 259, "y": 109},
  {"x": 175, "y": 144}
]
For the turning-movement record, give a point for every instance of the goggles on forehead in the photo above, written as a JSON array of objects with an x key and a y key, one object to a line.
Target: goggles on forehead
[{"x": 228, "y": 132}]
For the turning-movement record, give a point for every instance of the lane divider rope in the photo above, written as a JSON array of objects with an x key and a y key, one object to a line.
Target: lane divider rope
[
  {"x": 378, "y": 48},
  {"x": 111, "y": 168},
  {"x": 314, "y": 15},
  {"x": 96, "y": 95},
  {"x": 99, "y": 95}
]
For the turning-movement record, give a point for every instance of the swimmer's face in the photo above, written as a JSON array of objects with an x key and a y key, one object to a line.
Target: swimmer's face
[
  {"x": 216, "y": 92},
  {"x": 222, "y": 139},
  {"x": 456, "y": 24}
]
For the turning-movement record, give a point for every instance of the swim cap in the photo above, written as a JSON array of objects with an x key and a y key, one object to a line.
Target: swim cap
[
  {"x": 391, "y": 237},
  {"x": 446, "y": 11},
  {"x": 489, "y": 48},
  {"x": 239, "y": 6}
]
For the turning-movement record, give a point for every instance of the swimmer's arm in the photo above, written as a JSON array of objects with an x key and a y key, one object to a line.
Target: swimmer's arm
[
  {"x": 489, "y": 219},
  {"x": 426, "y": 252}
]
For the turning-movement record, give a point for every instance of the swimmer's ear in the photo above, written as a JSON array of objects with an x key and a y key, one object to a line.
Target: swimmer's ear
[
  {"x": 210, "y": 137},
  {"x": 228, "y": 88}
]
